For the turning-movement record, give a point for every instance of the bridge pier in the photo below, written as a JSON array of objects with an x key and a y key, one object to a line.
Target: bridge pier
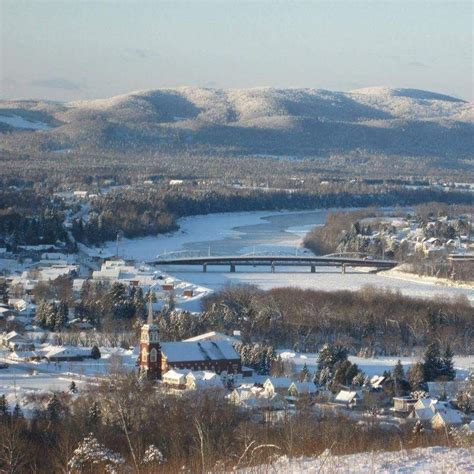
[
  {"x": 204, "y": 267},
  {"x": 232, "y": 268},
  {"x": 313, "y": 268},
  {"x": 343, "y": 268}
]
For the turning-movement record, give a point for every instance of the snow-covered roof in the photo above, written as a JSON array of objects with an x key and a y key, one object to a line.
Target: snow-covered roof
[
  {"x": 63, "y": 351},
  {"x": 175, "y": 376},
  {"x": 377, "y": 380},
  {"x": 201, "y": 375},
  {"x": 185, "y": 351},
  {"x": 448, "y": 417},
  {"x": 213, "y": 336},
  {"x": 304, "y": 387},
  {"x": 278, "y": 382},
  {"x": 424, "y": 414},
  {"x": 346, "y": 396}
]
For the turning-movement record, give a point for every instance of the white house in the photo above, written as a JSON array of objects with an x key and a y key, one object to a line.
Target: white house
[
  {"x": 349, "y": 398},
  {"x": 446, "y": 418},
  {"x": 301, "y": 389},
  {"x": 278, "y": 385},
  {"x": 175, "y": 379},
  {"x": 202, "y": 380}
]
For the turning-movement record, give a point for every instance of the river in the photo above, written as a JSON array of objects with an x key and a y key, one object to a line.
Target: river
[{"x": 264, "y": 231}]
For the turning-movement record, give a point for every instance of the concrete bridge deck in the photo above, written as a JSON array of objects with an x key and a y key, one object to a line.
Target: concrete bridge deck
[{"x": 277, "y": 260}]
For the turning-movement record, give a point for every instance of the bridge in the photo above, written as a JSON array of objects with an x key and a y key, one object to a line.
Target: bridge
[{"x": 272, "y": 261}]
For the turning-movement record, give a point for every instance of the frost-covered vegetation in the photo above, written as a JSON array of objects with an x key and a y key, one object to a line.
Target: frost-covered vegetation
[
  {"x": 430, "y": 130},
  {"x": 121, "y": 424}
]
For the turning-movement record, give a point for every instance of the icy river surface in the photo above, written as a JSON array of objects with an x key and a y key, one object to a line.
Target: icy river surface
[{"x": 264, "y": 232}]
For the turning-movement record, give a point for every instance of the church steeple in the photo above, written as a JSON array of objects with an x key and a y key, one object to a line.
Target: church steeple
[
  {"x": 150, "y": 309},
  {"x": 150, "y": 350}
]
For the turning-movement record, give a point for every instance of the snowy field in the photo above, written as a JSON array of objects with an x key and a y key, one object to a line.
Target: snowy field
[
  {"x": 374, "y": 365},
  {"x": 19, "y": 122},
  {"x": 263, "y": 232},
  {"x": 421, "y": 460},
  {"x": 21, "y": 379}
]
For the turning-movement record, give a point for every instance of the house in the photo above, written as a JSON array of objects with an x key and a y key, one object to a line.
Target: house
[
  {"x": 277, "y": 385},
  {"x": 468, "y": 428},
  {"x": 24, "y": 356},
  {"x": 15, "y": 341},
  {"x": 215, "y": 356},
  {"x": 377, "y": 382},
  {"x": 202, "y": 380},
  {"x": 445, "y": 418},
  {"x": 251, "y": 397},
  {"x": 403, "y": 404},
  {"x": 422, "y": 414},
  {"x": 302, "y": 389},
  {"x": 349, "y": 398},
  {"x": 174, "y": 379},
  {"x": 66, "y": 354}
]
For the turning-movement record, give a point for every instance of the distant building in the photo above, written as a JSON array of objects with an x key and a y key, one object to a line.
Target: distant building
[
  {"x": 349, "y": 398},
  {"x": 403, "y": 404}
]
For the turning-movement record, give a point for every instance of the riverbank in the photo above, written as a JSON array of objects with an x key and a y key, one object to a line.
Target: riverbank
[{"x": 401, "y": 274}]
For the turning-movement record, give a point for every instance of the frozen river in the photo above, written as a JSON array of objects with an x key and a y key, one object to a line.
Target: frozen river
[{"x": 240, "y": 233}]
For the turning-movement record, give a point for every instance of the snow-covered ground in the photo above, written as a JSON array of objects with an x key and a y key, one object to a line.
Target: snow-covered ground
[
  {"x": 263, "y": 232},
  {"x": 19, "y": 122},
  {"x": 374, "y": 365},
  {"x": 435, "y": 459},
  {"x": 21, "y": 379}
]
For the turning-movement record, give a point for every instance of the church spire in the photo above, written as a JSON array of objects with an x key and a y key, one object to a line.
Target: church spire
[{"x": 150, "y": 309}]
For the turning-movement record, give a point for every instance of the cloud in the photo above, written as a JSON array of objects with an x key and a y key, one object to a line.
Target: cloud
[{"x": 57, "y": 83}]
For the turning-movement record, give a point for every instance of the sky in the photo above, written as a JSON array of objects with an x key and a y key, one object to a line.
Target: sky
[{"x": 80, "y": 49}]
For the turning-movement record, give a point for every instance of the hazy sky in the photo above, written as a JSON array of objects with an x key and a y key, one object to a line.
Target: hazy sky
[{"x": 75, "y": 49}]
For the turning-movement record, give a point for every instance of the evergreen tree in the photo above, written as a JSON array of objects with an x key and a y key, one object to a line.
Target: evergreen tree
[
  {"x": 61, "y": 316},
  {"x": 3, "y": 406},
  {"x": 53, "y": 409},
  {"x": 51, "y": 315},
  {"x": 41, "y": 313},
  {"x": 304, "y": 374},
  {"x": 17, "y": 412},
  {"x": 95, "y": 352},
  {"x": 398, "y": 372},
  {"x": 432, "y": 365},
  {"x": 139, "y": 304},
  {"x": 448, "y": 372},
  {"x": 398, "y": 378}
]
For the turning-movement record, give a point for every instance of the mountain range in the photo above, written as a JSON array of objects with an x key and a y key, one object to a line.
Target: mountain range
[{"x": 260, "y": 121}]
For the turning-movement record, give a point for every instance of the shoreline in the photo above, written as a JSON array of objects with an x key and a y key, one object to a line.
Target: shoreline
[{"x": 402, "y": 275}]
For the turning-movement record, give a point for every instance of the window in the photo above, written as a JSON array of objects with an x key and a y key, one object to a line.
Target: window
[
  {"x": 153, "y": 355},
  {"x": 144, "y": 356}
]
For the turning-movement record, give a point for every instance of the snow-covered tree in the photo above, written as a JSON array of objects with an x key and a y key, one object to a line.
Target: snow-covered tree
[
  {"x": 304, "y": 374},
  {"x": 153, "y": 456},
  {"x": 94, "y": 415},
  {"x": 359, "y": 379},
  {"x": 325, "y": 377},
  {"x": 90, "y": 453}
]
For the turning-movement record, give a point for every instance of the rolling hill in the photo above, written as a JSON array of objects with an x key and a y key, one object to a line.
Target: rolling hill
[{"x": 296, "y": 122}]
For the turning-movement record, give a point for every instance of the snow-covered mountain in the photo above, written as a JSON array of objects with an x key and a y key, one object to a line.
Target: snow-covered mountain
[{"x": 300, "y": 122}]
